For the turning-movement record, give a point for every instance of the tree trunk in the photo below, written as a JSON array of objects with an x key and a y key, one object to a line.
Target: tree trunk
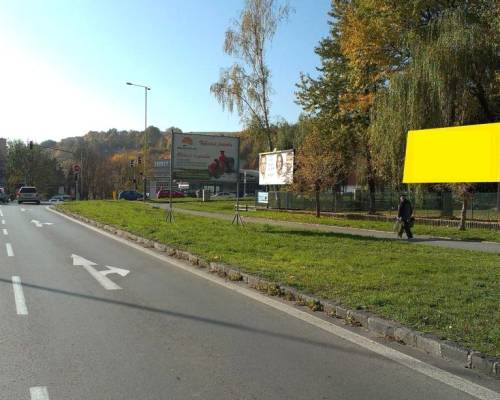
[
  {"x": 463, "y": 214},
  {"x": 318, "y": 205},
  {"x": 370, "y": 177}
]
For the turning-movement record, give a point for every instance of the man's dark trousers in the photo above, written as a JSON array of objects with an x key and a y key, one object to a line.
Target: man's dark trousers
[{"x": 405, "y": 227}]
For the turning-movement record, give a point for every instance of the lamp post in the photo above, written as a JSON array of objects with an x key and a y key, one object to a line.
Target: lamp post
[{"x": 146, "y": 88}]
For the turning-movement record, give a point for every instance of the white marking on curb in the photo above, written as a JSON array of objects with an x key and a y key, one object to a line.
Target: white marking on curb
[
  {"x": 438, "y": 374},
  {"x": 39, "y": 393},
  {"x": 10, "y": 252},
  {"x": 5, "y": 232},
  {"x": 19, "y": 296}
]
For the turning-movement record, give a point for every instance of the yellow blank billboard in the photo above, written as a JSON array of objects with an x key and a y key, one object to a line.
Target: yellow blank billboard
[{"x": 460, "y": 154}]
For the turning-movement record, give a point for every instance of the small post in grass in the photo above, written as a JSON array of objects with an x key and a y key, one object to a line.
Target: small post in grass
[
  {"x": 237, "y": 217},
  {"x": 170, "y": 211}
]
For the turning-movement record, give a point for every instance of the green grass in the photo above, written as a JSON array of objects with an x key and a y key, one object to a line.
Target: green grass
[
  {"x": 419, "y": 229},
  {"x": 452, "y": 293}
]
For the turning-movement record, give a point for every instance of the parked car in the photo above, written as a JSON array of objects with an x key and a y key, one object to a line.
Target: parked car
[
  {"x": 28, "y": 194},
  {"x": 130, "y": 195},
  {"x": 60, "y": 198},
  {"x": 224, "y": 195},
  {"x": 165, "y": 194},
  {"x": 4, "y": 198}
]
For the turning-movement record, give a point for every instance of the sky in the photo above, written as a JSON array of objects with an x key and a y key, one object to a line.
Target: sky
[{"x": 64, "y": 64}]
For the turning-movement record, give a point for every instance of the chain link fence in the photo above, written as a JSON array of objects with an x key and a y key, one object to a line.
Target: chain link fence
[{"x": 444, "y": 205}]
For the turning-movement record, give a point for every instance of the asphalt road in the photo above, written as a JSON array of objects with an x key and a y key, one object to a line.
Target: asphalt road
[{"x": 166, "y": 333}]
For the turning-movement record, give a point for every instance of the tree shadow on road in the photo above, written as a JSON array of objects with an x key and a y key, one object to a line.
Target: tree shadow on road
[{"x": 350, "y": 349}]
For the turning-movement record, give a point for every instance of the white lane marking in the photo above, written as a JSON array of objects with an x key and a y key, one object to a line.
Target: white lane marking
[
  {"x": 1, "y": 213},
  {"x": 3, "y": 222},
  {"x": 10, "y": 252},
  {"x": 105, "y": 282},
  {"x": 39, "y": 224},
  {"x": 464, "y": 385},
  {"x": 39, "y": 393},
  {"x": 19, "y": 296},
  {"x": 5, "y": 232}
]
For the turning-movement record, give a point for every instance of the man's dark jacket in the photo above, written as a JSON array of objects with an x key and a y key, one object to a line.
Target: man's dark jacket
[{"x": 405, "y": 210}]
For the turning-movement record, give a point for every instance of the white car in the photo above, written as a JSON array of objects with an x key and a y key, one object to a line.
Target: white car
[
  {"x": 28, "y": 194},
  {"x": 223, "y": 195}
]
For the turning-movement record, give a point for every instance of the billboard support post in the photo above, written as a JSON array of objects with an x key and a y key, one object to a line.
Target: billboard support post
[
  {"x": 237, "y": 217},
  {"x": 170, "y": 213}
]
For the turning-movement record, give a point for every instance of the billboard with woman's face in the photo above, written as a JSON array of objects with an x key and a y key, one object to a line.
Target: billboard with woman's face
[{"x": 276, "y": 168}]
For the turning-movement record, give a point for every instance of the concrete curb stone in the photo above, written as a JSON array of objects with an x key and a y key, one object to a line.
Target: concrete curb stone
[{"x": 389, "y": 329}]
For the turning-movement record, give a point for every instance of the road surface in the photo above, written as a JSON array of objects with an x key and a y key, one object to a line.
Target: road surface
[{"x": 83, "y": 316}]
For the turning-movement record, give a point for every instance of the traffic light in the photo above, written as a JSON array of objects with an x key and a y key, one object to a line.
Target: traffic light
[
  {"x": 31, "y": 144},
  {"x": 131, "y": 163},
  {"x": 139, "y": 160}
]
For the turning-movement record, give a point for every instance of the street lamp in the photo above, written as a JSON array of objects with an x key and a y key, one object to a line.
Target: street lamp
[{"x": 146, "y": 88}]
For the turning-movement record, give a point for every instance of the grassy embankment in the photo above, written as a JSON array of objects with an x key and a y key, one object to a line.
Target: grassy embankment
[
  {"x": 227, "y": 206},
  {"x": 451, "y": 293}
]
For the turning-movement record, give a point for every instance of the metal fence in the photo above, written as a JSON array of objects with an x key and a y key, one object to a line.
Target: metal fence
[{"x": 482, "y": 206}]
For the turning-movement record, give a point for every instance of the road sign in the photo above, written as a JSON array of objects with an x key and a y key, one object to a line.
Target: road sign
[{"x": 76, "y": 168}]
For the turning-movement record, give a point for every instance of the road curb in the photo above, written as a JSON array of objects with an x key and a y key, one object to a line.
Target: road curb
[{"x": 375, "y": 324}]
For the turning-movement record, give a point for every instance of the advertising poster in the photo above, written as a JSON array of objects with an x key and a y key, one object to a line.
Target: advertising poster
[
  {"x": 205, "y": 158},
  {"x": 276, "y": 168}
]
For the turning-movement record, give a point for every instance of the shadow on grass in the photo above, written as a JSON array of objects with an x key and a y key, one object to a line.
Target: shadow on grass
[{"x": 200, "y": 319}]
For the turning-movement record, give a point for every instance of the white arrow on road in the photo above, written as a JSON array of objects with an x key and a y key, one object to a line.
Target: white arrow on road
[
  {"x": 39, "y": 224},
  {"x": 100, "y": 276},
  {"x": 114, "y": 270}
]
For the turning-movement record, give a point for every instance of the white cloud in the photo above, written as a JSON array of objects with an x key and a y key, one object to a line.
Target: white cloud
[{"x": 38, "y": 102}]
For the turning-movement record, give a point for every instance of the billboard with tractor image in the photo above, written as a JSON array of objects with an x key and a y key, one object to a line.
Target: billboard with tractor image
[{"x": 205, "y": 158}]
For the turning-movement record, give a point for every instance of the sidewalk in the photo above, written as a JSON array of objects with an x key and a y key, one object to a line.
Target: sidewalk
[{"x": 489, "y": 247}]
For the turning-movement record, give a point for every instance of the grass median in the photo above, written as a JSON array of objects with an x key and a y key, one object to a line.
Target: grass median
[
  {"x": 452, "y": 293},
  {"x": 227, "y": 207}
]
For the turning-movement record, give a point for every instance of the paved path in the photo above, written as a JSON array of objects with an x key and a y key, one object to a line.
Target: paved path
[
  {"x": 490, "y": 247},
  {"x": 86, "y": 317}
]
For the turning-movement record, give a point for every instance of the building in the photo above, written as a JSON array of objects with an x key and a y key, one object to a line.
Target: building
[{"x": 3, "y": 162}]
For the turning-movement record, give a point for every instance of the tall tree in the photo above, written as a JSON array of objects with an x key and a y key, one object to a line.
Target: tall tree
[
  {"x": 246, "y": 85},
  {"x": 451, "y": 79}
]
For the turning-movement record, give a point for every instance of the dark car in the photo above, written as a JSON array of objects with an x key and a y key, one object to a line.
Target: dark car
[
  {"x": 4, "y": 198},
  {"x": 130, "y": 195},
  {"x": 164, "y": 194}
]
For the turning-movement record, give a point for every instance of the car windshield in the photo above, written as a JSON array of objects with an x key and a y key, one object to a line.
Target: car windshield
[{"x": 28, "y": 190}]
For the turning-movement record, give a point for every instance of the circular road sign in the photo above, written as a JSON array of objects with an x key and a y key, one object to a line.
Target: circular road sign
[{"x": 76, "y": 168}]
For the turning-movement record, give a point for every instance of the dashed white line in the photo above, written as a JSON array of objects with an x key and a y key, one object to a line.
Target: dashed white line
[
  {"x": 455, "y": 381},
  {"x": 1, "y": 213},
  {"x": 3, "y": 222},
  {"x": 19, "y": 296},
  {"x": 10, "y": 251},
  {"x": 39, "y": 393},
  {"x": 5, "y": 232}
]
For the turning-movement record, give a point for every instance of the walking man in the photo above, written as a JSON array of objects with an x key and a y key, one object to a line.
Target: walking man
[{"x": 405, "y": 212}]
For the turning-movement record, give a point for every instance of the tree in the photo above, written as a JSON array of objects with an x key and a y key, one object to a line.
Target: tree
[
  {"x": 246, "y": 85},
  {"x": 32, "y": 167},
  {"x": 451, "y": 79},
  {"x": 320, "y": 162}
]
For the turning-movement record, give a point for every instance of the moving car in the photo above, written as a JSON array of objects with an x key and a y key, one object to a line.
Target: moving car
[
  {"x": 28, "y": 194},
  {"x": 130, "y": 195},
  {"x": 164, "y": 194},
  {"x": 3, "y": 196}
]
